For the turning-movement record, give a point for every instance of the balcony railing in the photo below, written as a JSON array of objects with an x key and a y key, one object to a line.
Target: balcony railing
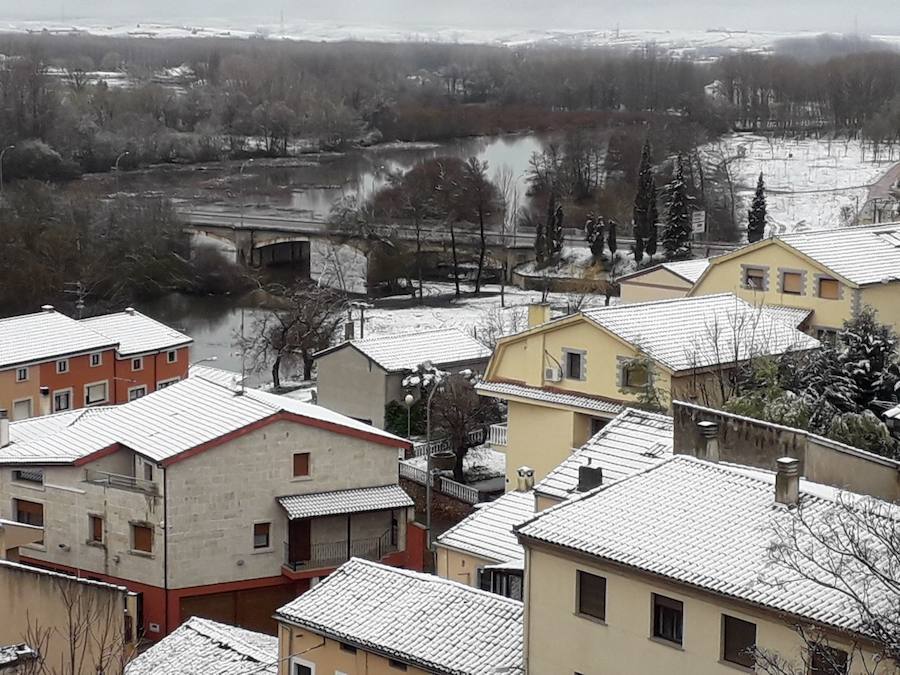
[
  {"x": 334, "y": 554},
  {"x": 120, "y": 482},
  {"x": 446, "y": 485},
  {"x": 420, "y": 449},
  {"x": 497, "y": 435}
]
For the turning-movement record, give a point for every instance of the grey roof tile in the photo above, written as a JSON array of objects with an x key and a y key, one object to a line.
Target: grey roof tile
[
  {"x": 488, "y": 533},
  {"x": 336, "y": 502}
]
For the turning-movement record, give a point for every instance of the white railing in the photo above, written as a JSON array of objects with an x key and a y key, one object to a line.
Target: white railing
[
  {"x": 462, "y": 492},
  {"x": 497, "y": 435},
  {"x": 413, "y": 473},
  {"x": 474, "y": 437},
  {"x": 115, "y": 480}
]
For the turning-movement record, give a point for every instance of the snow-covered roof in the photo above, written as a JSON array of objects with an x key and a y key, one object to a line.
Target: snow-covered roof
[
  {"x": 893, "y": 413},
  {"x": 166, "y": 423},
  {"x": 862, "y": 255},
  {"x": 136, "y": 333},
  {"x": 706, "y": 525},
  {"x": 32, "y": 338},
  {"x": 200, "y": 646},
  {"x": 227, "y": 378},
  {"x": 357, "y": 500},
  {"x": 635, "y": 440},
  {"x": 406, "y": 351},
  {"x": 488, "y": 533},
  {"x": 547, "y": 395},
  {"x": 700, "y": 331},
  {"x": 792, "y": 316},
  {"x": 419, "y": 619},
  {"x": 16, "y": 655},
  {"x": 689, "y": 270}
]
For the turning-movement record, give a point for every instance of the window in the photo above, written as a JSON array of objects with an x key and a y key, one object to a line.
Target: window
[
  {"x": 829, "y": 289},
  {"x": 738, "y": 641},
  {"x": 597, "y": 425},
  {"x": 755, "y": 278},
  {"x": 592, "y": 595},
  {"x": 96, "y": 360},
  {"x": 261, "y": 535},
  {"x": 95, "y": 529},
  {"x": 825, "y": 660},
  {"x": 62, "y": 400},
  {"x": 575, "y": 365},
  {"x": 668, "y": 618},
  {"x": 167, "y": 383},
  {"x": 21, "y": 409},
  {"x": 171, "y": 356},
  {"x": 62, "y": 366},
  {"x": 29, "y": 513},
  {"x": 29, "y": 476},
  {"x": 21, "y": 374},
  {"x": 141, "y": 538},
  {"x": 148, "y": 471},
  {"x": 137, "y": 392},
  {"x": 350, "y": 649},
  {"x": 95, "y": 393},
  {"x": 792, "y": 283},
  {"x": 138, "y": 363},
  {"x": 301, "y": 464},
  {"x": 634, "y": 376},
  {"x": 299, "y": 667},
  {"x": 396, "y": 664}
]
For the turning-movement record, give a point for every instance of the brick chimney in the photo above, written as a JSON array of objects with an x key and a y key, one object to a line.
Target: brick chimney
[
  {"x": 44, "y": 400},
  {"x": 4, "y": 429},
  {"x": 538, "y": 313},
  {"x": 589, "y": 477},
  {"x": 787, "y": 481},
  {"x": 709, "y": 432},
  {"x": 524, "y": 479}
]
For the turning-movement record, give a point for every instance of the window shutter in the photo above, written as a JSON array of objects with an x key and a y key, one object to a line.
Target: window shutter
[
  {"x": 301, "y": 464},
  {"x": 143, "y": 538}
]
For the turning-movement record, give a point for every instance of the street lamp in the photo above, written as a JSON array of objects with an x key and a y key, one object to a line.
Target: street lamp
[
  {"x": 408, "y": 400},
  {"x": 119, "y": 159},
  {"x": 2, "y": 153},
  {"x": 241, "y": 184}
]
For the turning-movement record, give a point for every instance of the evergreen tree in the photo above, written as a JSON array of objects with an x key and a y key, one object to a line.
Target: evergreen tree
[
  {"x": 593, "y": 235},
  {"x": 643, "y": 201},
  {"x": 558, "y": 236},
  {"x": 611, "y": 238},
  {"x": 869, "y": 357},
  {"x": 756, "y": 225},
  {"x": 652, "y": 232},
  {"x": 677, "y": 233}
]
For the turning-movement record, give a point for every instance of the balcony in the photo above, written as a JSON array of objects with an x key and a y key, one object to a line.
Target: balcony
[
  {"x": 120, "y": 482},
  {"x": 298, "y": 558},
  {"x": 497, "y": 435}
]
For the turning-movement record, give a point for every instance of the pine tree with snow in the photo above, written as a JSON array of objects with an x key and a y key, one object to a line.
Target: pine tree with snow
[
  {"x": 594, "y": 235},
  {"x": 868, "y": 354},
  {"x": 756, "y": 216},
  {"x": 677, "y": 233},
  {"x": 643, "y": 201},
  {"x": 558, "y": 235}
]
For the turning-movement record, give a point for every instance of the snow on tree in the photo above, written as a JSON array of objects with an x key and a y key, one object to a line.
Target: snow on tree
[
  {"x": 869, "y": 358},
  {"x": 611, "y": 242},
  {"x": 593, "y": 235},
  {"x": 644, "y": 201},
  {"x": 756, "y": 216},
  {"x": 677, "y": 233},
  {"x": 652, "y": 230}
]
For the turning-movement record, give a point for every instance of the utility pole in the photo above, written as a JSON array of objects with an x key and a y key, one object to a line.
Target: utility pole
[{"x": 77, "y": 289}]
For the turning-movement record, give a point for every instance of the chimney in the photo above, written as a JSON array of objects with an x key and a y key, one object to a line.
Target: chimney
[
  {"x": 4, "y": 429},
  {"x": 589, "y": 477},
  {"x": 787, "y": 481},
  {"x": 538, "y": 313},
  {"x": 348, "y": 330},
  {"x": 45, "y": 400},
  {"x": 47, "y": 308},
  {"x": 525, "y": 479},
  {"x": 710, "y": 433},
  {"x": 129, "y": 311}
]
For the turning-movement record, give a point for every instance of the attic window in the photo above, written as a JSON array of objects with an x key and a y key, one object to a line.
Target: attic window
[
  {"x": 655, "y": 450},
  {"x": 892, "y": 237},
  {"x": 829, "y": 289},
  {"x": 755, "y": 278}
]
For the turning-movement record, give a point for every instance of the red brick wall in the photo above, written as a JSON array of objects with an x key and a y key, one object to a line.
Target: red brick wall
[
  {"x": 156, "y": 368},
  {"x": 79, "y": 374}
]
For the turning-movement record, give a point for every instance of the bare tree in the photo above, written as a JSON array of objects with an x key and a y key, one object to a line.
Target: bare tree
[
  {"x": 303, "y": 322},
  {"x": 482, "y": 197}
]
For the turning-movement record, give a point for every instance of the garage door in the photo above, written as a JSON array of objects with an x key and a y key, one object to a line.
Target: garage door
[{"x": 251, "y": 609}]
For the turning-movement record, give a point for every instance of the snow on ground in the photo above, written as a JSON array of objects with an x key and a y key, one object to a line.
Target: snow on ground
[
  {"x": 479, "y": 464},
  {"x": 810, "y": 183}
]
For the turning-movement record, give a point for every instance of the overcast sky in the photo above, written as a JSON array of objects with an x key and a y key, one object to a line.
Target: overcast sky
[{"x": 873, "y": 16}]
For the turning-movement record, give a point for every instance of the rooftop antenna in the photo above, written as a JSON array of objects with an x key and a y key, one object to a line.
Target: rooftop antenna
[
  {"x": 77, "y": 289},
  {"x": 282, "y": 22}
]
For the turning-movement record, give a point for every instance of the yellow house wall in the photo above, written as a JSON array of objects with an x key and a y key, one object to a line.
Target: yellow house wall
[
  {"x": 660, "y": 284},
  {"x": 539, "y": 437},
  {"x": 11, "y": 391},
  {"x": 885, "y": 299},
  {"x": 457, "y": 566},
  {"x": 727, "y": 276},
  {"x": 328, "y": 657},
  {"x": 560, "y": 641}
]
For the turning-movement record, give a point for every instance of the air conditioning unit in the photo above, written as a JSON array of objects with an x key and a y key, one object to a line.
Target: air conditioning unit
[{"x": 552, "y": 374}]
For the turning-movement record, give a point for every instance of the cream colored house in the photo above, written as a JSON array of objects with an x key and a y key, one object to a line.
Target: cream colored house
[
  {"x": 668, "y": 572},
  {"x": 370, "y": 619},
  {"x": 205, "y": 500},
  {"x": 661, "y": 282},
  {"x": 565, "y": 379},
  {"x": 358, "y": 378},
  {"x": 832, "y": 273}
]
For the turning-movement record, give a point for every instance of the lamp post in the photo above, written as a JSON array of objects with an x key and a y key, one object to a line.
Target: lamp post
[
  {"x": 408, "y": 400},
  {"x": 2, "y": 154},
  {"x": 119, "y": 159},
  {"x": 241, "y": 181}
]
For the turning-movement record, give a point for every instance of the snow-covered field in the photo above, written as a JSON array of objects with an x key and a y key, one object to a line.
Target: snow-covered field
[{"x": 811, "y": 184}]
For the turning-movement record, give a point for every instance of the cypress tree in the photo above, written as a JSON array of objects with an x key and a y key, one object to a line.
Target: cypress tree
[
  {"x": 652, "y": 220},
  {"x": 677, "y": 233},
  {"x": 643, "y": 201},
  {"x": 756, "y": 216},
  {"x": 611, "y": 238}
]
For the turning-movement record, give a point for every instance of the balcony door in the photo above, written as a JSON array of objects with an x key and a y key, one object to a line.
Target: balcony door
[{"x": 299, "y": 540}]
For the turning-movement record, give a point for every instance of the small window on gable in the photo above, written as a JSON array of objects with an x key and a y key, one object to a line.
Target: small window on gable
[
  {"x": 261, "y": 535},
  {"x": 171, "y": 356},
  {"x": 634, "y": 376},
  {"x": 138, "y": 363},
  {"x": 829, "y": 289},
  {"x": 755, "y": 278},
  {"x": 575, "y": 365},
  {"x": 29, "y": 476},
  {"x": 21, "y": 374},
  {"x": 148, "y": 471},
  {"x": 96, "y": 360},
  {"x": 62, "y": 366},
  {"x": 301, "y": 464},
  {"x": 792, "y": 283}
]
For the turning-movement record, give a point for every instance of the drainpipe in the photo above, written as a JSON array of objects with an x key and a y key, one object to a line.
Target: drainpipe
[{"x": 165, "y": 473}]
